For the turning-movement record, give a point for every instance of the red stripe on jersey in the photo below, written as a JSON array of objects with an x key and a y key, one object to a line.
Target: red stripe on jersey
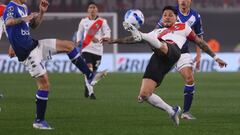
[
  {"x": 175, "y": 27},
  {"x": 192, "y": 36},
  {"x": 91, "y": 32},
  {"x": 2, "y": 8}
]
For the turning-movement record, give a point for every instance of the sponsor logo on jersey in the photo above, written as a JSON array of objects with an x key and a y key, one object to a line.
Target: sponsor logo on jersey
[{"x": 25, "y": 32}]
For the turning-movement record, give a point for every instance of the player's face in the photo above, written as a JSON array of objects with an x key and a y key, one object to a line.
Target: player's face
[
  {"x": 184, "y": 3},
  {"x": 21, "y": 1},
  {"x": 92, "y": 10},
  {"x": 169, "y": 18}
]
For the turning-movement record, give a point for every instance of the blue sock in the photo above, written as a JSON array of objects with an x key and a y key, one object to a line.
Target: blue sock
[
  {"x": 188, "y": 97},
  {"x": 80, "y": 63},
  {"x": 41, "y": 104}
]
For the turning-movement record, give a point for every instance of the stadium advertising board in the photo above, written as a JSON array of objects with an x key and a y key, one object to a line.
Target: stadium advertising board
[{"x": 125, "y": 62}]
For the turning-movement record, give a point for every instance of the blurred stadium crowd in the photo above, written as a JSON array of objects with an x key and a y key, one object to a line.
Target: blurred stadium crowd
[
  {"x": 224, "y": 12},
  {"x": 117, "y": 5}
]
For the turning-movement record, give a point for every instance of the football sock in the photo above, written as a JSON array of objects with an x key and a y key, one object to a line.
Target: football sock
[
  {"x": 156, "y": 101},
  {"x": 154, "y": 42},
  {"x": 41, "y": 104},
  {"x": 188, "y": 97},
  {"x": 88, "y": 86},
  {"x": 80, "y": 63}
]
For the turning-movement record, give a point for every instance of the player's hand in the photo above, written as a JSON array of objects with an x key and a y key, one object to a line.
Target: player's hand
[
  {"x": 11, "y": 52},
  {"x": 197, "y": 60},
  {"x": 221, "y": 63},
  {"x": 30, "y": 17},
  {"x": 43, "y": 6},
  {"x": 106, "y": 41}
]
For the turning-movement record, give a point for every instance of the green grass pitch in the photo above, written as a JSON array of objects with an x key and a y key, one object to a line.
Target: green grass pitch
[{"x": 116, "y": 111}]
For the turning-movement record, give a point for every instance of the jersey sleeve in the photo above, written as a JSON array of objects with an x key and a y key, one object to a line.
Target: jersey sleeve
[
  {"x": 106, "y": 29},
  {"x": 80, "y": 32},
  {"x": 198, "y": 28},
  {"x": 10, "y": 12},
  {"x": 190, "y": 34}
]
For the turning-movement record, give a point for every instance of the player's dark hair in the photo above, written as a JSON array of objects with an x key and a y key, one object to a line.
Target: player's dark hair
[
  {"x": 170, "y": 8},
  {"x": 92, "y": 3}
]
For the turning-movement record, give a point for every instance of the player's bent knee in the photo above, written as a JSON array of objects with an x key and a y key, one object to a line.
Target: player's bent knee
[
  {"x": 43, "y": 82},
  {"x": 65, "y": 46},
  {"x": 189, "y": 80},
  {"x": 44, "y": 86}
]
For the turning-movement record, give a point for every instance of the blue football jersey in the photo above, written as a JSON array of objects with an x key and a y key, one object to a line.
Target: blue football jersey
[
  {"x": 193, "y": 19},
  {"x": 19, "y": 35}
]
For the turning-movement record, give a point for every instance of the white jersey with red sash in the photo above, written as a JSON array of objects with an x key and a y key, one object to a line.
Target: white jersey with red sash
[
  {"x": 178, "y": 34},
  {"x": 2, "y": 8},
  {"x": 89, "y": 29}
]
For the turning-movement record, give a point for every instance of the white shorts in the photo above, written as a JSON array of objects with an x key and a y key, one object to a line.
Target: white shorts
[
  {"x": 185, "y": 60},
  {"x": 35, "y": 61}
]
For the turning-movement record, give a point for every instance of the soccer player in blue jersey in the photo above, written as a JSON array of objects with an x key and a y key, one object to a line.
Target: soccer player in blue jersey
[
  {"x": 185, "y": 63},
  {"x": 31, "y": 52}
]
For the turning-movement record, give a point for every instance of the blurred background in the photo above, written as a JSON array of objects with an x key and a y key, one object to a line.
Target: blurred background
[{"x": 221, "y": 19}]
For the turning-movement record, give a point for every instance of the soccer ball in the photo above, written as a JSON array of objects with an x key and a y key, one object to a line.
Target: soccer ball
[{"x": 135, "y": 17}]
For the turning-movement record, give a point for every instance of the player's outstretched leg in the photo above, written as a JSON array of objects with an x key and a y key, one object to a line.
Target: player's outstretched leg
[
  {"x": 92, "y": 78},
  {"x": 134, "y": 31},
  {"x": 98, "y": 76},
  {"x": 138, "y": 36}
]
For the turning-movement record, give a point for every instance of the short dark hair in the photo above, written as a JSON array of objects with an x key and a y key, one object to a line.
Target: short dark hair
[
  {"x": 170, "y": 8},
  {"x": 92, "y": 3}
]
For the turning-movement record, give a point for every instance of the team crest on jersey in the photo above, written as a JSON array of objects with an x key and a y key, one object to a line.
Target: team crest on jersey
[
  {"x": 11, "y": 8},
  {"x": 97, "y": 26}
]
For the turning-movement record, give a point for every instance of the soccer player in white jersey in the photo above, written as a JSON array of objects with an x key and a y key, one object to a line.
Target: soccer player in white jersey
[
  {"x": 32, "y": 53},
  {"x": 185, "y": 63},
  {"x": 2, "y": 8},
  {"x": 167, "y": 43},
  {"x": 90, "y": 30}
]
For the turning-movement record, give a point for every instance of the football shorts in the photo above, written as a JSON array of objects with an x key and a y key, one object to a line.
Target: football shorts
[
  {"x": 93, "y": 59},
  {"x": 35, "y": 61},
  {"x": 160, "y": 64},
  {"x": 185, "y": 60}
]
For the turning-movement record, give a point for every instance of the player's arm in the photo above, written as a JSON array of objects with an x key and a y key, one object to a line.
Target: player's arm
[
  {"x": 204, "y": 46},
  {"x": 106, "y": 31},
  {"x": 198, "y": 56},
  {"x": 80, "y": 32},
  {"x": 199, "y": 30},
  {"x": 38, "y": 17},
  {"x": 11, "y": 52},
  {"x": 125, "y": 40},
  {"x": 14, "y": 21}
]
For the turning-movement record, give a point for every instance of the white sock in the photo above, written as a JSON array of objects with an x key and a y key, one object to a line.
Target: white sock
[
  {"x": 152, "y": 40},
  {"x": 90, "y": 87},
  {"x": 156, "y": 101}
]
